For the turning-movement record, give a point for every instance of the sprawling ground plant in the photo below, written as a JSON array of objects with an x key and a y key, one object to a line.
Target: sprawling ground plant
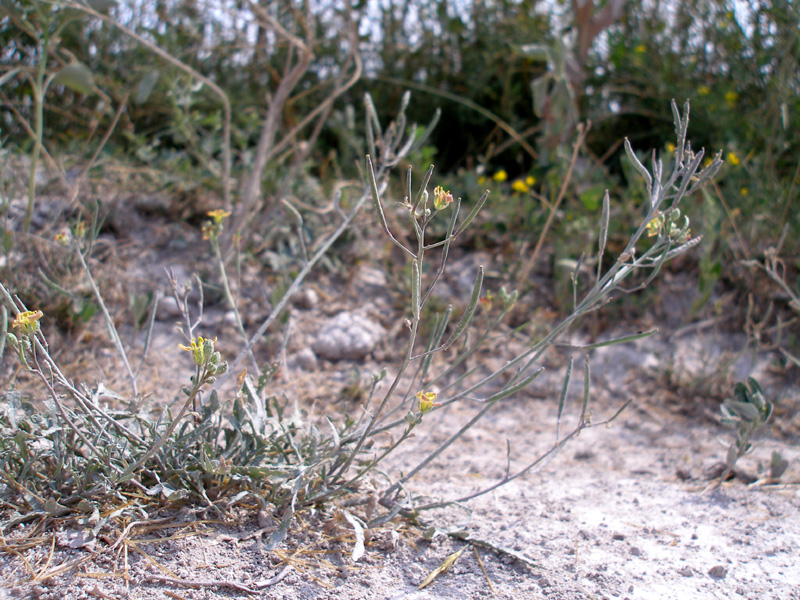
[{"x": 77, "y": 456}]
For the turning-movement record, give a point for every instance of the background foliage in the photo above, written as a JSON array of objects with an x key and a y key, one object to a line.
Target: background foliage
[{"x": 534, "y": 68}]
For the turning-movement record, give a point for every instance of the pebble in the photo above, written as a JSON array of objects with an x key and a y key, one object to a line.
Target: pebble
[
  {"x": 347, "y": 336},
  {"x": 717, "y": 572},
  {"x": 303, "y": 360}
]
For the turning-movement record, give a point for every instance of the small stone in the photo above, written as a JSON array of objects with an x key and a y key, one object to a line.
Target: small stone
[
  {"x": 168, "y": 309},
  {"x": 618, "y": 537},
  {"x": 307, "y": 299},
  {"x": 347, "y": 336},
  {"x": 634, "y": 551},
  {"x": 717, "y": 572},
  {"x": 303, "y": 360}
]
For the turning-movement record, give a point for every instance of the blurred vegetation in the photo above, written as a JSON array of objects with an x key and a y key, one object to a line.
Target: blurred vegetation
[{"x": 513, "y": 79}]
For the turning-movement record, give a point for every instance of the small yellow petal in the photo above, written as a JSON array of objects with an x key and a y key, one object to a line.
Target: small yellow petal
[{"x": 520, "y": 186}]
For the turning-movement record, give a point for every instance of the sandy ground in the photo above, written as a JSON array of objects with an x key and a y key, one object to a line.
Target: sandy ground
[{"x": 623, "y": 512}]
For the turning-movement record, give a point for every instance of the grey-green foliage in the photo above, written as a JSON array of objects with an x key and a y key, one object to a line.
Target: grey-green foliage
[
  {"x": 747, "y": 412},
  {"x": 265, "y": 448}
]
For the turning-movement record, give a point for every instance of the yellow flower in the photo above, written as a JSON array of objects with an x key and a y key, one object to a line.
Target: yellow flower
[
  {"x": 441, "y": 198},
  {"x": 79, "y": 230},
  {"x": 530, "y": 180},
  {"x": 28, "y": 322},
  {"x": 703, "y": 90},
  {"x": 670, "y": 147},
  {"x": 500, "y": 176},
  {"x": 733, "y": 159},
  {"x": 481, "y": 180},
  {"x": 218, "y": 215},
  {"x": 62, "y": 239},
  {"x": 654, "y": 226},
  {"x": 212, "y": 229},
  {"x": 640, "y": 49},
  {"x": 198, "y": 348},
  {"x": 520, "y": 186},
  {"x": 427, "y": 401},
  {"x": 731, "y": 98},
  {"x": 744, "y": 191}
]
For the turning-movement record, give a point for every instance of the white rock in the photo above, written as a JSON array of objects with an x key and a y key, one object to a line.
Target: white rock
[
  {"x": 303, "y": 360},
  {"x": 347, "y": 336}
]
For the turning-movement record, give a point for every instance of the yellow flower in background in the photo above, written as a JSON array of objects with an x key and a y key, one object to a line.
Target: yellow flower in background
[
  {"x": 481, "y": 180},
  {"x": 640, "y": 49},
  {"x": 731, "y": 98},
  {"x": 744, "y": 191},
  {"x": 427, "y": 401},
  {"x": 733, "y": 159},
  {"x": 670, "y": 147},
  {"x": 500, "y": 176},
  {"x": 703, "y": 90},
  {"x": 27, "y": 322},
  {"x": 79, "y": 230},
  {"x": 520, "y": 186},
  {"x": 530, "y": 180}
]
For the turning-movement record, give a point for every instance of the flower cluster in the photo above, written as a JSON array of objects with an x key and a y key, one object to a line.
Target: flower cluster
[
  {"x": 206, "y": 358},
  {"x": 213, "y": 229},
  {"x": 441, "y": 198},
  {"x": 427, "y": 401},
  {"x": 27, "y": 322},
  {"x": 523, "y": 186},
  {"x": 668, "y": 224}
]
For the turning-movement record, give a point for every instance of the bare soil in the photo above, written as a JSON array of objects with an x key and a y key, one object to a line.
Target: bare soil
[{"x": 627, "y": 511}]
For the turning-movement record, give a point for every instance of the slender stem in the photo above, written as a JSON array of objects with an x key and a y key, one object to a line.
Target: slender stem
[
  {"x": 112, "y": 330},
  {"x": 38, "y": 127},
  {"x": 63, "y": 412},
  {"x": 231, "y": 302},
  {"x": 295, "y": 286},
  {"x": 526, "y": 269},
  {"x": 199, "y": 378}
]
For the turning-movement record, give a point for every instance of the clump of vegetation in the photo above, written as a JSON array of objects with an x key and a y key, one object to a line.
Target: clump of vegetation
[
  {"x": 93, "y": 457},
  {"x": 269, "y": 130}
]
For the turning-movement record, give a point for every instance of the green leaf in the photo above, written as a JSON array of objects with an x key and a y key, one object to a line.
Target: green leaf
[
  {"x": 8, "y": 241},
  {"x": 540, "y": 87},
  {"x": 592, "y": 196},
  {"x": 146, "y": 86},
  {"x": 745, "y": 410},
  {"x": 777, "y": 465},
  {"x": 54, "y": 509},
  {"x": 9, "y": 75},
  {"x": 76, "y": 76},
  {"x": 102, "y": 6},
  {"x": 540, "y": 52}
]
